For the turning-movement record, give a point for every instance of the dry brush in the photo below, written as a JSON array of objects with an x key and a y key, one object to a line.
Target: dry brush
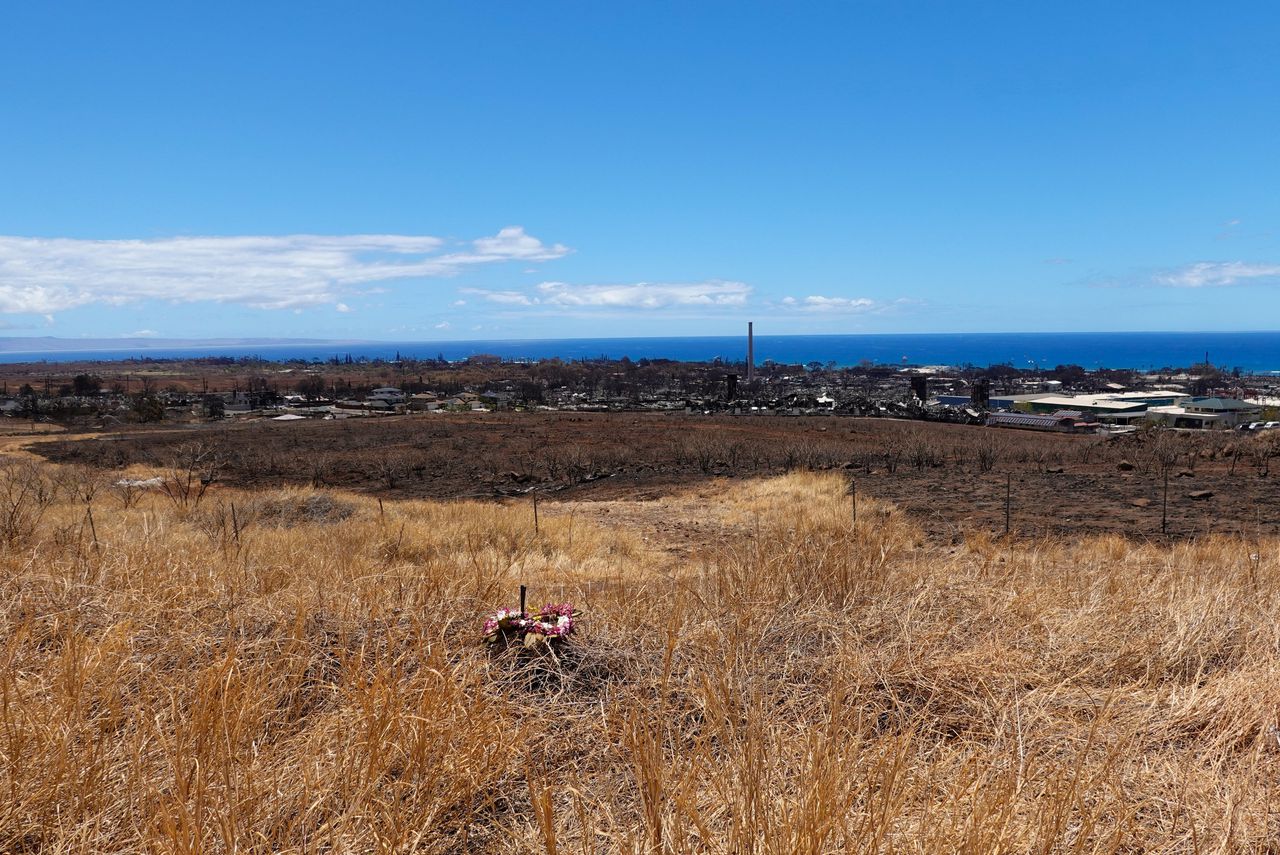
[{"x": 315, "y": 683}]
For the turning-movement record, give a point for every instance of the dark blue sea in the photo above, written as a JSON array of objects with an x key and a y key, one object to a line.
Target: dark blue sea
[{"x": 1257, "y": 352}]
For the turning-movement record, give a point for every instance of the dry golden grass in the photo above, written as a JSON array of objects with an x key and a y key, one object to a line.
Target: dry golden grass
[{"x": 303, "y": 674}]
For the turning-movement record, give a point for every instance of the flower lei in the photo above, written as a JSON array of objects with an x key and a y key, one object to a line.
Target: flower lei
[{"x": 556, "y": 621}]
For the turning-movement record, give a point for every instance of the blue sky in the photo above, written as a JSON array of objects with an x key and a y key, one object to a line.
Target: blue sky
[{"x": 405, "y": 171}]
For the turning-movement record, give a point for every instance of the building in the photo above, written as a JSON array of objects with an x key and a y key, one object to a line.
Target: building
[
  {"x": 1206, "y": 413},
  {"x": 1094, "y": 405},
  {"x": 1066, "y": 421},
  {"x": 1010, "y": 402},
  {"x": 390, "y": 394}
]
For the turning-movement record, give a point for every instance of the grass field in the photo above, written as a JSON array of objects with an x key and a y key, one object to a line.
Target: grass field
[{"x": 301, "y": 671}]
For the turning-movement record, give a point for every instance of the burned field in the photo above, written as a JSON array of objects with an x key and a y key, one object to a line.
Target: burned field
[
  {"x": 952, "y": 478},
  {"x": 248, "y": 668}
]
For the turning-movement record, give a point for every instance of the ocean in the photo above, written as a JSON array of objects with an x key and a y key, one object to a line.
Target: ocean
[{"x": 1254, "y": 352}]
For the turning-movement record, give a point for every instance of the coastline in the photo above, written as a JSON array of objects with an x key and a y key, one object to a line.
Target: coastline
[{"x": 1254, "y": 352}]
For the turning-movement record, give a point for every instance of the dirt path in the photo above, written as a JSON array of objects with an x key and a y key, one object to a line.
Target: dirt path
[{"x": 682, "y": 525}]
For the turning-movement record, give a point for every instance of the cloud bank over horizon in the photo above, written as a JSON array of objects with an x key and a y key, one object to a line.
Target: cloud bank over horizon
[{"x": 47, "y": 275}]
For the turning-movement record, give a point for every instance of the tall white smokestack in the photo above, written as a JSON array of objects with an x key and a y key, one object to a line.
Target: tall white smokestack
[{"x": 751, "y": 352}]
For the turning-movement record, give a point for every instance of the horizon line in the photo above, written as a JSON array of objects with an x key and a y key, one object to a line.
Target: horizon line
[{"x": 108, "y": 343}]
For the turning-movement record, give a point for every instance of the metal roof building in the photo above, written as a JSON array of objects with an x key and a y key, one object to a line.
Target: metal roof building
[{"x": 1063, "y": 420}]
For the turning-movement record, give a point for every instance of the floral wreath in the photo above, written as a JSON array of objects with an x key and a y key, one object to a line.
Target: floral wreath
[{"x": 554, "y": 623}]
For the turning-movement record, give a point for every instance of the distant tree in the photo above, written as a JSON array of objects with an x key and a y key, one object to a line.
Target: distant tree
[
  {"x": 530, "y": 391},
  {"x": 311, "y": 387},
  {"x": 86, "y": 384},
  {"x": 30, "y": 402},
  {"x": 147, "y": 407},
  {"x": 1209, "y": 378},
  {"x": 1070, "y": 374}
]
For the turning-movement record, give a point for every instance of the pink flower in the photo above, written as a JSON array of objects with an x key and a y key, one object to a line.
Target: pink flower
[{"x": 554, "y": 621}]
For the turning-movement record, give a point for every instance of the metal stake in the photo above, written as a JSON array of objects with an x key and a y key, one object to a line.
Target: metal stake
[
  {"x": 1008, "y": 500},
  {"x": 1164, "y": 512}
]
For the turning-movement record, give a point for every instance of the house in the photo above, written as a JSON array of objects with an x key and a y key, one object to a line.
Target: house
[
  {"x": 362, "y": 408},
  {"x": 496, "y": 396},
  {"x": 389, "y": 394},
  {"x": 423, "y": 401}
]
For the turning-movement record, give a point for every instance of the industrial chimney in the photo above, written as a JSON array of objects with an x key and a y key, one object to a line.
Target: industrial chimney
[{"x": 751, "y": 353}]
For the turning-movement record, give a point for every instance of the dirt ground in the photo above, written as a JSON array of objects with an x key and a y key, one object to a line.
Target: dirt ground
[
  {"x": 649, "y": 468},
  {"x": 675, "y": 526},
  {"x": 1084, "y": 502}
]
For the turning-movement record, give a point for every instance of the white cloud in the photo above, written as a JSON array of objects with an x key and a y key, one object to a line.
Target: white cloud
[
  {"x": 817, "y": 303},
  {"x": 343, "y": 307},
  {"x": 512, "y": 243},
  {"x": 645, "y": 295},
  {"x": 640, "y": 295},
  {"x": 510, "y": 298},
  {"x": 141, "y": 334},
  {"x": 44, "y": 275},
  {"x": 444, "y": 325},
  {"x": 1216, "y": 273}
]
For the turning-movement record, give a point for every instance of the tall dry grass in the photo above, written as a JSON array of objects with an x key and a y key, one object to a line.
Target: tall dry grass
[{"x": 301, "y": 672}]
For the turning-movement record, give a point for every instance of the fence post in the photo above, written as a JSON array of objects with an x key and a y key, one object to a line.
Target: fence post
[
  {"x": 853, "y": 500},
  {"x": 88, "y": 511},
  {"x": 1008, "y": 500},
  {"x": 535, "y": 513},
  {"x": 1164, "y": 510}
]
